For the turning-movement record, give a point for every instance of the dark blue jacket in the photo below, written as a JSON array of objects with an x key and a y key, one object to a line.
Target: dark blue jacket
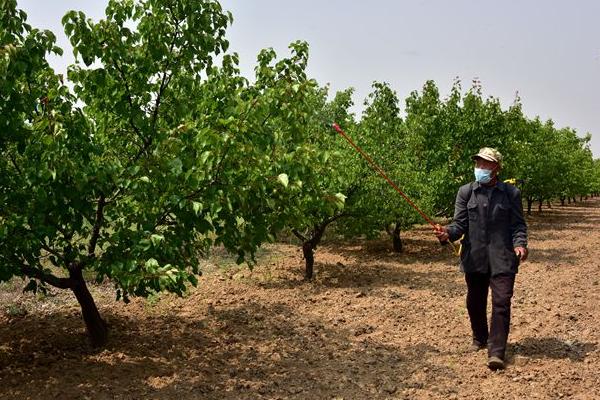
[{"x": 493, "y": 226}]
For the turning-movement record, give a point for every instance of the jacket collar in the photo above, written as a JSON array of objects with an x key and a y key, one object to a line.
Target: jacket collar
[{"x": 499, "y": 185}]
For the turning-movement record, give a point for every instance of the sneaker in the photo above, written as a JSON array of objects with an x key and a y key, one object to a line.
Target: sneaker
[
  {"x": 477, "y": 345},
  {"x": 495, "y": 363}
]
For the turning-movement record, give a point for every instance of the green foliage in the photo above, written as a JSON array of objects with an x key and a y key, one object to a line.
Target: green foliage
[
  {"x": 155, "y": 155},
  {"x": 327, "y": 175},
  {"x": 381, "y": 133},
  {"x": 444, "y": 134}
]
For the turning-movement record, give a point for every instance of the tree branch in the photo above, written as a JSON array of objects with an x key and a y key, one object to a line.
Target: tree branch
[
  {"x": 14, "y": 163},
  {"x": 166, "y": 78},
  {"x": 31, "y": 94},
  {"x": 130, "y": 101},
  {"x": 163, "y": 85},
  {"x": 334, "y": 218},
  {"x": 319, "y": 230},
  {"x": 165, "y": 81},
  {"x": 61, "y": 283},
  {"x": 299, "y": 235},
  {"x": 43, "y": 245},
  {"x": 220, "y": 164},
  {"x": 97, "y": 226}
]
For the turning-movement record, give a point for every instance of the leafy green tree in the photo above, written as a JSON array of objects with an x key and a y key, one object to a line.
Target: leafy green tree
[
  {"x": 594, "y": 178},
  {"x": 332, "y": 178},
  {"x": 580, "y": 163},
  {"x": 534, "y": 169},
  {"x": 431, "y": 128},
  {"x": 346, "y": 189},
  {"x": 377, "y": 206},
  {"x": 444, "y": 134},
  {"x": 154, "y": 156},
  {"x": 553, "y": 163}
]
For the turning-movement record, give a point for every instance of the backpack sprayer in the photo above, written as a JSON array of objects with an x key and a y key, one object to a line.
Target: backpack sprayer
[{"x": 392, "y": 184}]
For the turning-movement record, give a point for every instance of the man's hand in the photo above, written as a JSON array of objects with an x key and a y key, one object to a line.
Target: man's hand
[
  {"x": 442, "y": 233},
  {"x": 522, "y": 253}
]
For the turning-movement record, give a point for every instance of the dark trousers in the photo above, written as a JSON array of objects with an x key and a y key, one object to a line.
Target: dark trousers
[{"x": 477, "y": 293}]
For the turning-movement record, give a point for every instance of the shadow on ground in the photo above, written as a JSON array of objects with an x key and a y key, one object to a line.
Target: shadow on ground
[
  {"x": 554, "y": 348},
  {"x": 375, "y": 275},
  {"x": 254, "y": 350}
]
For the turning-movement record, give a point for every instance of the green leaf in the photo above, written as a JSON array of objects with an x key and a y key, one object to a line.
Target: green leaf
[
  {"x": 151, "y": 265},
  {"x": 283, "y": 179},
  {"x": 197, "y": 207},
  {"x": 156, "y": 239},
  {"x": 176, "y": 166},
  {"x": 204, "y": 156},
  {"x": 145, "y": 244}
]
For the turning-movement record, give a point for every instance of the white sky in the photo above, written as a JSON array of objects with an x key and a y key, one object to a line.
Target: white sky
[{"x": 547, "y": 50}]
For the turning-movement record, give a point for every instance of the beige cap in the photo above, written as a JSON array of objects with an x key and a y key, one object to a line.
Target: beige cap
[{"x": 487, "y": 153}]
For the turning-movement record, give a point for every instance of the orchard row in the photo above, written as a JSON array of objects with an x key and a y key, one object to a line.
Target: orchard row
[{"x": 154, "y": 148}]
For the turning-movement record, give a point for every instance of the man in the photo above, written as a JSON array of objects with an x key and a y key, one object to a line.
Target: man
[{"x": 489, "y": 213}]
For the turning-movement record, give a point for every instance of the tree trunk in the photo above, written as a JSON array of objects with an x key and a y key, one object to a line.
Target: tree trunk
[
  {"x": 310, "y": 243},
  {"x": 548, "y": 204},
  {"x": 574, "y": 200},
  {"x": 562, "y": 201},
  {"x": 568, "y": 200},
  {"x": 540, "y": 202},
  {"x": 309, "y": 259},
  {"x": 96, "y": 327},
  {"x": 580, "y": 198},
  {"x": 529, "y": 203},
  {"x": 396, "y": 240},
  {"x": 309, "y": 246}
]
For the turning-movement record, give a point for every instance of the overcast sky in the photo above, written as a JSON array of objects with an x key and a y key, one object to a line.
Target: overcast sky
[{"x": 548, "y": 51}]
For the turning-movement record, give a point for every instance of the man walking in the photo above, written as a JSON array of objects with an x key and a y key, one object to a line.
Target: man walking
[{"x": 489, "y": 213}]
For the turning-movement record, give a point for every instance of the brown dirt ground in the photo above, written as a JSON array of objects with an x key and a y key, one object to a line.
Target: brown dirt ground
[{"x": 373, "y": 325}]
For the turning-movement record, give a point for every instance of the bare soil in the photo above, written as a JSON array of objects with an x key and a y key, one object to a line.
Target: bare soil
[{"x": 372, "y": 325}]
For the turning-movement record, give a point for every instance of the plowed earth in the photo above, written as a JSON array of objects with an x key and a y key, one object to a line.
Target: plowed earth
[{"x": 372, "y": 325}]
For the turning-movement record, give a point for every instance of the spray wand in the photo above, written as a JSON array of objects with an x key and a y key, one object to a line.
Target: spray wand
[{"x": 381, "y": 172}]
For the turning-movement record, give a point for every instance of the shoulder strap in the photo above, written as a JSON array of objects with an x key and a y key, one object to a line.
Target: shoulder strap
[
  {"x": 462, "y": 190},
  {"x": 470, "y": 191}
]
